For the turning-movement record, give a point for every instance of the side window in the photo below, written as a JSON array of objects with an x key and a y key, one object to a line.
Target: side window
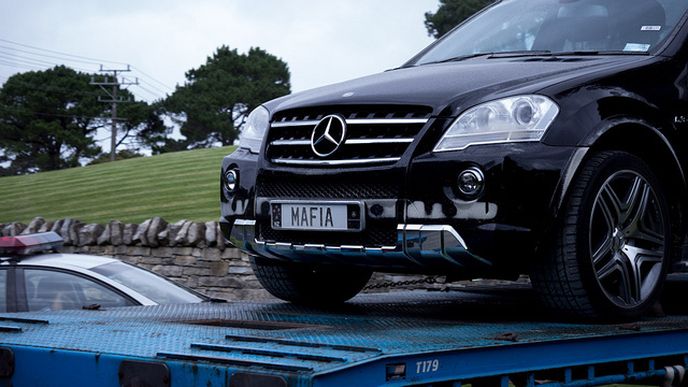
[
  {"x": 3, "y": 290},
  {"x": 55, "y": 290}
]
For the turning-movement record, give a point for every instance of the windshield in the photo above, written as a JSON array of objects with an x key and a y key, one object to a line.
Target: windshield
[
  {"x": 561, "y": 26},
  {"x": 148, "y": 284}
]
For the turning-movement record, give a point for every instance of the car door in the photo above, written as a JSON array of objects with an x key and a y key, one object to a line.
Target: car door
[{"x": 47, "y": 289}]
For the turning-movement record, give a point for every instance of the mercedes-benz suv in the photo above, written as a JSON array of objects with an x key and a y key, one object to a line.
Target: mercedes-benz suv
[{"x": 540, "y": 137}]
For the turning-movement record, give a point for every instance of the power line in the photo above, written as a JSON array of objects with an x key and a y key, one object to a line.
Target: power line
[
  {"x": 148, "y": 92},
  {"x": 157, "y": 96},
  {"x": 153, "y": 79},
  {"x": 47, "y": 55},
  {"x": 37, "y": 62},
  {"x": 61, "y": 53},
  {"x": 154, "y": 87},
  {"x": 12, "y": 58},
  {"x": 33, "y": 65},
  {"x": 79, "y": 59},
  {"x": 23, "y": 67}
]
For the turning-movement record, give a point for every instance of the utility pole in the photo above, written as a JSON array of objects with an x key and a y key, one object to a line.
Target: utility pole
[{"x": 114, "y": 99}]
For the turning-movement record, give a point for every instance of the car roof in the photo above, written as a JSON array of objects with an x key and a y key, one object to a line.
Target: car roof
[{"x": 67, "y": 260}]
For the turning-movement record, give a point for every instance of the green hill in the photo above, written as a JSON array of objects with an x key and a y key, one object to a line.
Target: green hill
[{"x": 175, "y": 186}]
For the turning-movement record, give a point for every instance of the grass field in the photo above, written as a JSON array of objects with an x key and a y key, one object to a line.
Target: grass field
[{"x": 175, "y": 186}]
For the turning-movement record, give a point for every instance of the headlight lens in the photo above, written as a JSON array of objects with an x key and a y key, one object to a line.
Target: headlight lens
[
  {"x": 254, "y": 130},
  {"x": 522, "y": 118}
]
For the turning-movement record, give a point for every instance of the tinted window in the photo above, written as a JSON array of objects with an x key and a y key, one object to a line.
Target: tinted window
[
  {"x": 148, "y": 284},
  {"x": 632, "y": 26},
  {"x": 54, "y": 290}
]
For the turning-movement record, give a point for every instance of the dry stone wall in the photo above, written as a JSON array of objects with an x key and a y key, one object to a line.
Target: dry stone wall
[{"x": 194, "y": 254}]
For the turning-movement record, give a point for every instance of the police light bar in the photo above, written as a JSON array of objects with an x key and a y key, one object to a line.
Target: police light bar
[{"x": 30, "y": 244}]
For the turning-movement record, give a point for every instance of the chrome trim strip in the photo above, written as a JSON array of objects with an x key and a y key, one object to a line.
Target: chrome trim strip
[
  {"x": 352, "y": 141},
  {"x": 290, "y": 142},
  {"x": 355, "y": 121},
  {"x": 244, "y": 222},
  {"x": 287, "y": 124},
  {"x": 336, "y": 162},
  {"x": 366, "y": 141},
  {"x": 386, "y": 121},
  {"x": 418, "y": 245}
]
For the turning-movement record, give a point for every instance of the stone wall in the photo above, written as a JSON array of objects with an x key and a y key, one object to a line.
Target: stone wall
[
  {"x": 155, "y": 232},
  {"x": 191, "y": 253}
]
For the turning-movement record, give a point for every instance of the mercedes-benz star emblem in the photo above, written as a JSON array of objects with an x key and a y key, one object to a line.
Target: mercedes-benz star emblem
[{"x": 328, "y": 135}]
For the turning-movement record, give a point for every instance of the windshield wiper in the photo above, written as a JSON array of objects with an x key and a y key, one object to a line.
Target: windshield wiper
[
  {"x": 516, "y": 54},
  {"x": 494, "y": 54},
  {"x": 522, "y": 53},
  {"x": 596, "y": 53}
]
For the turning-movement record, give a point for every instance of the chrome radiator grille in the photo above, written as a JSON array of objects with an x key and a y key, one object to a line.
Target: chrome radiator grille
[{"x": 374, "y": 134}]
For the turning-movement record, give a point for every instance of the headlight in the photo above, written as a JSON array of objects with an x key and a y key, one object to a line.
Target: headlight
[
  {"x": 254, "y": 130},
  {"x": 522, "y": 118}
]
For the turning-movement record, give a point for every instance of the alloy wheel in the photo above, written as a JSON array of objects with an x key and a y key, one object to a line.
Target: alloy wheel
[{"x": 627, "y": 239}]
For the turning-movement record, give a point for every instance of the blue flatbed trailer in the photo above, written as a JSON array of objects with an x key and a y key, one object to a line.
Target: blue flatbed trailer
[{"x": 494, "y": 337}]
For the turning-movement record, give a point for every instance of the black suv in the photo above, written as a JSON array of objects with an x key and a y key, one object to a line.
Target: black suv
[{"x": 545, "y": 137}]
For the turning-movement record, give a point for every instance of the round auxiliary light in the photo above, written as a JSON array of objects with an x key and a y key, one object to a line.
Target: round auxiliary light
[
  {"x": 471, "y": 182},
  {"x": 231, "y": 180}
]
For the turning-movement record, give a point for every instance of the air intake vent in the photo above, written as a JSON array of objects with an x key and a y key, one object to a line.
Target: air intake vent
[{"x": 375, "y": 134}]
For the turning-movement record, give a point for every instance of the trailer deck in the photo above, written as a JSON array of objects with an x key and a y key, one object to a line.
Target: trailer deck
[{"x": 492, "y": 336}]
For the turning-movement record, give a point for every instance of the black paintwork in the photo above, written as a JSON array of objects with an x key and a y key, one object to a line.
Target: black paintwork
[{"x": 637, "y": 103}]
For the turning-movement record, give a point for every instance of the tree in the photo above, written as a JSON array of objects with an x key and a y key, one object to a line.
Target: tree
[
  {"x": 48, "y": 119},
  {"x": 213, "y": 104},
  {"x": 450, "y": 14},
  {"x": 143, "y": 126}
]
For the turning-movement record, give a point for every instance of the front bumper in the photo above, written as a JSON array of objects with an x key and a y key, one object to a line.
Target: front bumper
[
  {"x": 525, "y": 185},
  {"x": 425, "y": 247}
]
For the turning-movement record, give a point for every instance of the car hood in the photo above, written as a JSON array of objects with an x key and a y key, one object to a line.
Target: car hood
[{"x": 440, "y": 85}]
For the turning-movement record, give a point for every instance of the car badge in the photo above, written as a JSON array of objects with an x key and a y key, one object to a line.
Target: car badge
[{"x": 329, "y": 135}]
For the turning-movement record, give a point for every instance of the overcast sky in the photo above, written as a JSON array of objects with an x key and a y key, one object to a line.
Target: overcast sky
[{"x": 322, "y": 41}]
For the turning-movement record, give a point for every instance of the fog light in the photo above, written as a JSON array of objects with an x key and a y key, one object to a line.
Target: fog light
[
  {"x": 471, "y": 182},
  {"x": 231, "y": 180}
]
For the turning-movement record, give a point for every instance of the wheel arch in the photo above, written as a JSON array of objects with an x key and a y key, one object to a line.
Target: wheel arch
[{"x": 644, "y": 140}]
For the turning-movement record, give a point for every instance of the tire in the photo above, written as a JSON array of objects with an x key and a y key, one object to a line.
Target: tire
[
  {"x": 609, "y": 254},
  {"x": 309, "y": 285}
]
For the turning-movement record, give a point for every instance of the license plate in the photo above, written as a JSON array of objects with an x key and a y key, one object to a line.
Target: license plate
[{"x": 317, "y": 216}]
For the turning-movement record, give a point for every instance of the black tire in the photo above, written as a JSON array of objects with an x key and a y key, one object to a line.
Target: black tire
[
  {"x": 623, "y": 236},
  {"x": 309, "y": 285}
]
